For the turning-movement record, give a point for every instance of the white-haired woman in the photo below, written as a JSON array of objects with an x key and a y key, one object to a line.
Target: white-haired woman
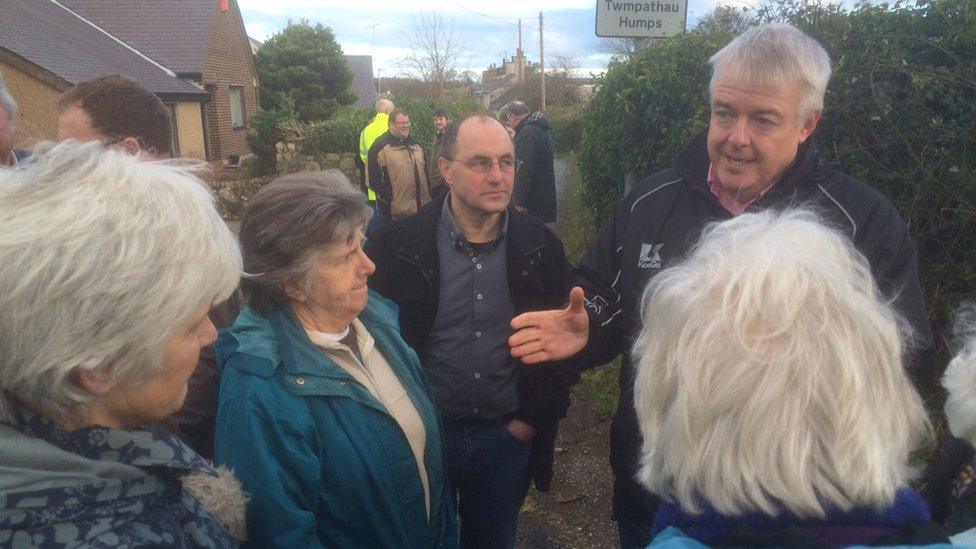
[
  {"x": 108, "y": 267},
  {"x": 950, "y": 487},
  {"x": 325, "y": 413},
  {"x": 771, "y": 394}
]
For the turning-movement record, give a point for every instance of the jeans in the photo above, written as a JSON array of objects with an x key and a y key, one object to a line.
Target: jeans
[
  {"x": 488, "y": 472},
  {"x": 374, "y": 222}
]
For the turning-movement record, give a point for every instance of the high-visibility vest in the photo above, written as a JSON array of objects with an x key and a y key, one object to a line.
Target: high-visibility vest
[{"x": 376, "y": 128}]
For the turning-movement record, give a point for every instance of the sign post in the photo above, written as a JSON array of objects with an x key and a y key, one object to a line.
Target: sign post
[{"x": 641, "y": 19}]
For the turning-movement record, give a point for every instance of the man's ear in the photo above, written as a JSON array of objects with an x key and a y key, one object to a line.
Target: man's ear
[
  {"x": 809, "y": 125},
  {"x": 131, "y": 145},
  {"x": 95, "y": 382},
  {"x": 443, "y": 166}
]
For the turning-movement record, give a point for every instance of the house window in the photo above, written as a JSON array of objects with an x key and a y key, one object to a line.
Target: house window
[
  {"x": 237, "y": 106},
  {"x": 174, "y": 141}
]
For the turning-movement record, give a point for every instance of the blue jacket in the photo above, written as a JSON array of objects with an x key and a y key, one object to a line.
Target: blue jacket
[{"x": 324, "y": 462}]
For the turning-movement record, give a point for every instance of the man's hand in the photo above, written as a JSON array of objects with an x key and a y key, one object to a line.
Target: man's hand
[
  {"x": 551, "y": 335},
  {"x": 521, "y": 430}
]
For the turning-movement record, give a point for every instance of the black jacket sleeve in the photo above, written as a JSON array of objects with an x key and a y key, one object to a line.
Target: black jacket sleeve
[
  {"x": 598, "y": 274},
  {"x": 545, "y": 388}
]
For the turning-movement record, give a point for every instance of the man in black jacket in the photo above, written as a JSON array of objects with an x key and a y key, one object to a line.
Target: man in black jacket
[
  {"x": 535, "y": 182},
  {"x": 766, "y": 92},
  {"x": 459, "y": 271}
]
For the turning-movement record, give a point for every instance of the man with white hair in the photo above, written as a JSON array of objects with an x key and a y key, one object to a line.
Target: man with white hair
[
  {"x": 8, "y": 109},
  {"x": 766, "y": 95}
]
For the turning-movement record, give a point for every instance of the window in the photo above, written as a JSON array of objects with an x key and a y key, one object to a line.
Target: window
[
  {"x": 174, "y": 140},
  {"x": 236, "y": 106}
]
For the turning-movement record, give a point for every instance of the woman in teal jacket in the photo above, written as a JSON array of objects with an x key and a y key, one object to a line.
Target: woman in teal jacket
[{"x": 324, "y": 410}]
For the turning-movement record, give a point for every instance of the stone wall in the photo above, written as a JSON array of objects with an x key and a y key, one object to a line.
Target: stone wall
[{"x": 291, "y": 159}]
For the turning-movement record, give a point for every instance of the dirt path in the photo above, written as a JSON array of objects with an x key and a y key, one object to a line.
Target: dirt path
[{"x": 575, "y": 513}]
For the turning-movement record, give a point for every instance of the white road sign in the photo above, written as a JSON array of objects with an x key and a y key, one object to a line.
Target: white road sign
[{"x": 650, "y": 19}]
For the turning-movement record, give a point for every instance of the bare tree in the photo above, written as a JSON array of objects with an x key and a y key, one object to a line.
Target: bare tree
[
  {"x": 563, "y": 64},
  {"x": 436, "y": 48},
  {"x": 620, "y": 48}
]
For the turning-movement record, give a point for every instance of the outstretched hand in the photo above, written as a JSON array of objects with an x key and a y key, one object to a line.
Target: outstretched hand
[{"x": 551, "y": 335}]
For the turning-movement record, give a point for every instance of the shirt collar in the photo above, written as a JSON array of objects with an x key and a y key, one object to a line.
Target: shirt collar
[
  {"x": 734, "y": 208},
  {"x": 449, "y": 225}
]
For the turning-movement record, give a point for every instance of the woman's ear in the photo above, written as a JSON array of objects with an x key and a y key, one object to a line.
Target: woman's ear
[
  {"x": 93, "y": 381},
  {"x": 293, "y": 291}
]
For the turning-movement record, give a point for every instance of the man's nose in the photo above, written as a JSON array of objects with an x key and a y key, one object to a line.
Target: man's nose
[{"x": 739, "y": 134}]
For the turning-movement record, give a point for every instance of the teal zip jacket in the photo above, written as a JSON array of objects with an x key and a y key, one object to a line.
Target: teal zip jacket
[{"x": 323, "y": 461}]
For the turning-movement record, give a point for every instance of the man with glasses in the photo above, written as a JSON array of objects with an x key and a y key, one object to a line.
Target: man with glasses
[
  {"x": 459, "y": 271},
  {"x": 396, "y": 171}
]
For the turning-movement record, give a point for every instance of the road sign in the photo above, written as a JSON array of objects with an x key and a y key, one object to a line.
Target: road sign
[{"x": 636, "y": 19}]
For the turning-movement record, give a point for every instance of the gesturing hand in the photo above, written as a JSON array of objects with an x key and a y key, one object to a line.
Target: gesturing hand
[{"x": 551, "y": 335}]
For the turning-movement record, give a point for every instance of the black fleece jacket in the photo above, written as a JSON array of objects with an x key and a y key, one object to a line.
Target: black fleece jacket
[{"x": 656, "y": 224}]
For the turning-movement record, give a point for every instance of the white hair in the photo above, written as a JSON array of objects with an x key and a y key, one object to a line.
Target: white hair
[
  {"x": 7, "y": 100},
  {"x": 960, "y": 377},
  {"x": 770, "y": 374},
  {"x": 773, "y": 55},
  {"x": 101, "y": 257}
]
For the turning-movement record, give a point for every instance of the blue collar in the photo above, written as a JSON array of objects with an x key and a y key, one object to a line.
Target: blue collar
[{"x": 710, "y": 525}]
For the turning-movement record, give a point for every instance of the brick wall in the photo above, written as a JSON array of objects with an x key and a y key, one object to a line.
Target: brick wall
[
  {"x": 37, "y": 107},
  {"x": 228, "y": 64}
]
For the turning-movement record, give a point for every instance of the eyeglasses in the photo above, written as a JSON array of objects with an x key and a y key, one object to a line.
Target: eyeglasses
[{"x": 483, "y": 164}]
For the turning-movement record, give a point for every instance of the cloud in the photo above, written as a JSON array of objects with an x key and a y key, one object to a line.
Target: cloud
[{"x": 489, "y": 29}]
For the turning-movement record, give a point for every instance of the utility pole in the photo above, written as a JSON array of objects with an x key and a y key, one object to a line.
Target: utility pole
[
  {"x": 518, "y": 55},
  {"x": 373, "y": 28},
  {"x": 542, "y": 67}
]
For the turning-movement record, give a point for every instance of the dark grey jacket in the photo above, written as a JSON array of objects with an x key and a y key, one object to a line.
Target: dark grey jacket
[{"x": 535, "y": 182}]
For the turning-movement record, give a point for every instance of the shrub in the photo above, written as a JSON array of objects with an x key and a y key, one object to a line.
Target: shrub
[
  {"x": 264, "y": 134},
  {"x": 565, "y": 123},
  {"x": 340, "y": 133}
]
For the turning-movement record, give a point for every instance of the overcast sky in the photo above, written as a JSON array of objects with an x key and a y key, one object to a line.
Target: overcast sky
[{"x": 489, "y": 28}]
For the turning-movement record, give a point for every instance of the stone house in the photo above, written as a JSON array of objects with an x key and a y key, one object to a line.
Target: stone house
[
  {"x": 45, "y": 49},
  {"x": 203, "y": 42}
]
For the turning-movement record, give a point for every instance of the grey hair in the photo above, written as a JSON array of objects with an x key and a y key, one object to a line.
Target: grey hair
[
  {"x": 101, "y": 258},
  {"x": 770, "y": 374},
  {"x": 517, "y": 108},
  {"x": 287, "y": 222},
  {"x": 960, "y": 376},
  {"x": 7, "y": 100},
  {"x": 772, "y": 55}
]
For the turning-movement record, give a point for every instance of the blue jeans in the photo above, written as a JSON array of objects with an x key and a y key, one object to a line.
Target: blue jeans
[
  {"x": 488, "y": 472},
  {"x": 374, "y": 222}
]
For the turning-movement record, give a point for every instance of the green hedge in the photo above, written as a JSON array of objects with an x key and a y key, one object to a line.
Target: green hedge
[
  {"x": 340, "y": 133},
  {"x": 566, "y": 127},
  {"x": 899, "y": 115}
]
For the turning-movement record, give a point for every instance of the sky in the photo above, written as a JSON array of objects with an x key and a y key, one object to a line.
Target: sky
[{"x": 489, "y": 29}]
